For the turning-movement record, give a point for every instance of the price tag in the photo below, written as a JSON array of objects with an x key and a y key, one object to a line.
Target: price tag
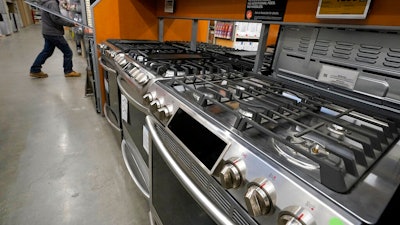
[
  {"x": 146, "y": 140},
  {"x": 355, "y": 9},
  {"x": 106, "y": 85},
  {"x": 124, "y": 108},
  {"x": 169, "y": 6},
  {"x": 339, "y": 76}
]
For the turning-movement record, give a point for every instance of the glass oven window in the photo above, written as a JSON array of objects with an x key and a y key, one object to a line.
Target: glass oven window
[{"x": 174, "y": 205}]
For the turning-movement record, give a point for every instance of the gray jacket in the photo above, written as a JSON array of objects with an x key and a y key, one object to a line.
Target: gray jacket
[{"x": 53, "y": 25}]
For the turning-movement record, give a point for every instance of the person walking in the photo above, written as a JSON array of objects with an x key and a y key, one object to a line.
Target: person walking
[{"x": 53, "y": 34}]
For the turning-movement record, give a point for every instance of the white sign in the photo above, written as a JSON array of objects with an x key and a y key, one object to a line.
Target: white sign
[
  {"x": 124, "y": 108},
  {"x": 106, "y": 85},
  {"x": 339, "y": 76},
  {"x": 169, "y": 6},
  {"x": 146, "y": 140}
]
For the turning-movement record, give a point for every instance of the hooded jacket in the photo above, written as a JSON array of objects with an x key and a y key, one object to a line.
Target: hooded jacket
[{"x": 52, "y": 24}]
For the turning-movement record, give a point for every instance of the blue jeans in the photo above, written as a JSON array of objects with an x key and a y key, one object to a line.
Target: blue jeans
[{"x": 50, "y": 43}]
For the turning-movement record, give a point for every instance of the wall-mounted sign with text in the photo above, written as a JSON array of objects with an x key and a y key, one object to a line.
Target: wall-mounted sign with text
[
  {"x": 169, "y": 6},
  {"x": 265, "y": 10},
  {"x": 343, "y": 9}
]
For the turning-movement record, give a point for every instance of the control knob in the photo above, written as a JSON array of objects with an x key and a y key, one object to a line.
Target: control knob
[
  {"x": 260, "y": 197},
  {"x": 135, "y": 73},
  {"x": 142, "y": 78},
  {"x": 102, "y": 48},
  {"x": 132, "y": 70},
  {"x": 149, "y": 97},
  {"x": 155, "y": 105},
  {"x": 122, "y": 62},
  {"x": 110, "y": 53},
  {"x": 232, "y": 174},
  {"x": 118, "y": 57},
  {"x": 165, "y": 112},
  {"x": 295, "y": 215}
]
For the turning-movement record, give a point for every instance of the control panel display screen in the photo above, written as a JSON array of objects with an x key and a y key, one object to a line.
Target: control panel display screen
[{"x": 205, "y": 145}]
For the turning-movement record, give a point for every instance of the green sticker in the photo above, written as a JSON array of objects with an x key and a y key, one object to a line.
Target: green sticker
[{"x": 336, "y": 221}]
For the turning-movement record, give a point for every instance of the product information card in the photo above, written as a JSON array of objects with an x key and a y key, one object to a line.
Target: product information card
[
  {"x": 265, "y": 10},
  {"x": 341, "y": 9}
]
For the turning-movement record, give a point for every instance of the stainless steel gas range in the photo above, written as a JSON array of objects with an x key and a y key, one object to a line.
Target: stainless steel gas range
[
  {"x": 316, "y": 142},
  {"x": 134, "y": 66}
]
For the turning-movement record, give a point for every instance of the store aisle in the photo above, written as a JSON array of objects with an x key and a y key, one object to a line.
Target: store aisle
[{"x": 59, "y": 163}]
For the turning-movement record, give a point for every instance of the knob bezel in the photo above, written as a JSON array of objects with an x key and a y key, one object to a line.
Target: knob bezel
[
  {"x": 149, "y": 97},
  {"x": 260, "y": 197},
  {"x": 295, "y": 215},
  {"x": 232, "y": 174}
]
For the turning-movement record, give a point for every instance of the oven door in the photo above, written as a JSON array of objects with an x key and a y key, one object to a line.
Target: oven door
[
  {"x": 135, "y": 141},
  {"x": 174, "y": 197},
  {"x": 112, "y": 105}
]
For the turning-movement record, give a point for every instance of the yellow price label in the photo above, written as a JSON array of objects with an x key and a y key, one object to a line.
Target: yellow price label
[{"x": 343, "y": 6}]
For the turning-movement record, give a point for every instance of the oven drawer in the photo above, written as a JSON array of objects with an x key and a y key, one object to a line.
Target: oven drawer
[
  {"x": 111, "y": 107},
  {"x": 133, "y": 119}
]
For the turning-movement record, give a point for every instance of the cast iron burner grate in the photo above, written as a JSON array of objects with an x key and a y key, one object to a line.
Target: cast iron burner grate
[
  {"x": 332, "y": 144},
  {"x": 186, "y": 67}
]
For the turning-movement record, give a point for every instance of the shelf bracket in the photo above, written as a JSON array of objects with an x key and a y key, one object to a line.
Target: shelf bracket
[
  {"x": 195, "y": 25},
  {"x": 262, "y": 47},
  {"x": 161, "y": 29}
]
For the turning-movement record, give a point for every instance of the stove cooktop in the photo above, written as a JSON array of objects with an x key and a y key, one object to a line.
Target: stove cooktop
[{"x": 326, "y": 142}]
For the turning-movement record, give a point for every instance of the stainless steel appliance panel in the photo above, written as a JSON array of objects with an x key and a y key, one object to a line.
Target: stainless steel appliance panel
[
  {"x": 281, "y": 182},
  {"x": 169, "y": 197},
  {"x": 112, "y": 105},
  {"x": 135, "y": 136}
]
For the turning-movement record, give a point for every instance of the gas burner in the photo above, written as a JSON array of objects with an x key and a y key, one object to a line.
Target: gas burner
[
  {"x": 198, "y": 96},
  {"x": 306, "y": 145},
  {"x": 175, "y": 71},
  {"x": 337, "y": 131},
  {"x": 201, "y": 93},
  {"x": 245, "y": 113},
  {"x": 293, "y": 156}
]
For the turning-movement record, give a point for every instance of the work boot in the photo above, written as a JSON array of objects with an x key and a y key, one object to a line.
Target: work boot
[
  {"x": 72, "y": 74},
  {"x": 38, "y": 75}
]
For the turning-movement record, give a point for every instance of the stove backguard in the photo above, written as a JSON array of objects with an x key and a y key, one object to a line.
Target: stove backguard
[{"x": 356, "y": 67}]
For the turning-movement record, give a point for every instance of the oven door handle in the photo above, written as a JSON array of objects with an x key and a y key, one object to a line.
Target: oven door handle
[
  {"x": 194, "y": 191},
  {"x": 130, "y": 99},
  {"x": 135, "y": 180},
  {"x": 106, "y": 67},
  {"x": 109, "y": 120}
]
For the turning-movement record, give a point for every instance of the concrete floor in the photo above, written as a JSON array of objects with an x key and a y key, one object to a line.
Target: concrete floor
[{"x": 59, "y": 161}]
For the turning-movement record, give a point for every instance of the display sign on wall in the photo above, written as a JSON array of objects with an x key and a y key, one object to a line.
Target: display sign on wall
[
  {"x": 343, "y": 9},
  {"x": 265, "y": 10},
  {"x": 169, "y": 6}
]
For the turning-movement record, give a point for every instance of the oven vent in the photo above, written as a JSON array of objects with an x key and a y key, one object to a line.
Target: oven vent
[
  {"x": 183, "y": 157},
  {"x": 200, "y": 177},
  {"x": 392, "y": 59},
  {"x": 342, "y": 50},
  {"x": 368, "y": 54},
  {"x": 303, "y": 44},
  {"x": 321, "y": 47},
  {"x": 174, "y": 147},
  {"x": 238, "y": 218},
  {"x": 219, "y": 199}
]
